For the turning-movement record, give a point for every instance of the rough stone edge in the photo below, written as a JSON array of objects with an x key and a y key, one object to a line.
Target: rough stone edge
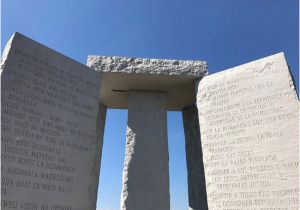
[
  {"x": 147, "y": 66},
  {"x": 7, "y": 51},
  {"x": 101, "y": 118},
  {"x": 130, "y": 150},
  {"x": 197, "y": 196},
  {"x": 238, "y": 69},
  {"x": 247, "y": 66},
  {"x": 16, "y": 35}
]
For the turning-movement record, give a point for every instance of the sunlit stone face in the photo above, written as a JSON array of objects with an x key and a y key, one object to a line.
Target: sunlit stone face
[{"x": 249, "y": 131}]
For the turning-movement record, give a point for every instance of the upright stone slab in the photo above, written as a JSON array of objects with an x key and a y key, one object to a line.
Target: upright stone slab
[
  {"x": 250, "y": 136},
  {"x": 145, "y": 178},
  {"x": 194, "y": 159},
  {"x": 50, "y": 142},
  {"x": 146, "y": 170}
]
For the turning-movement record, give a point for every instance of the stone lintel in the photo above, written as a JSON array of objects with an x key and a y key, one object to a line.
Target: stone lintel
[{"x": 121, "y": 74}]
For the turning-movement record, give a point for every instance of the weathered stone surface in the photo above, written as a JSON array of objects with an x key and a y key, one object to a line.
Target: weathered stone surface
[
  {"x": 50, "y": 141},
  {"x": 120, "y": 74},
  {"x": 194, "y": 159},
  {"x": 101, "y": 118},
  {"x": 146, "y": 168},
  {"x": 147, "y": 66},
  {"x": 249, "y": 130}
]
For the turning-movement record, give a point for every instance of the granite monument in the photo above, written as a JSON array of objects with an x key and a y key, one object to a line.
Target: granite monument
[{"x": 241, "y": 130}]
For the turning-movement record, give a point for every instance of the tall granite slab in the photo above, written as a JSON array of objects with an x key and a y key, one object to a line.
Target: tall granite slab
[
  {"x": 50, "y": 141},
  {"x": 146, "y": 168},
  {"x": 194, "y": 159},
  {"x": 250, "y": 136}
]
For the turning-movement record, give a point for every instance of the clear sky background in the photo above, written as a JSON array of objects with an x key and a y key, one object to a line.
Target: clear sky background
[{"x": 226, "y": 33}]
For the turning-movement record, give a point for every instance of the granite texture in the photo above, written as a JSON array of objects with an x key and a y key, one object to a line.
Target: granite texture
[
  {"x": 249, "y": 122},
  {"x": 50, "y": 139},
  {"x": 147, "y": 66},
  {"x": 102, "y": 110},
  {"x": 194, "y": 159},
  {"x": 146, "y": 167},
  {"x": 120, "y": 75}
]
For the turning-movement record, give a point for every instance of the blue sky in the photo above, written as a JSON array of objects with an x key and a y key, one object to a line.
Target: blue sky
[{"x": 224, "y": 33}]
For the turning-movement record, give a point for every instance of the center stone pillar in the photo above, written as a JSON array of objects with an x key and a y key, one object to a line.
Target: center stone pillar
[{"x": 146, "y": 168}]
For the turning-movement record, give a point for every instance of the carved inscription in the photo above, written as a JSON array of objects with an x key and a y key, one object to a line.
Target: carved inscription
[
  {"x": 48, "y": 124},
  {"x": 249, "y": 131}
]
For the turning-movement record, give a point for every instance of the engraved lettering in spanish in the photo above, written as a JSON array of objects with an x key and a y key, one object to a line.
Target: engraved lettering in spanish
[
  {"x": 49, "y": 138},
  {"x": 241, "y": 130},
  {"x": 249, "y": 130}
]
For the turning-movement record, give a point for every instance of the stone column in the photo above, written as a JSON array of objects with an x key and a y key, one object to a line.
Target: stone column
[
  {"x": 196, "y": 178},
  {"x": 100, "y": 134},
  {"x": 146, "y": 168}
]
